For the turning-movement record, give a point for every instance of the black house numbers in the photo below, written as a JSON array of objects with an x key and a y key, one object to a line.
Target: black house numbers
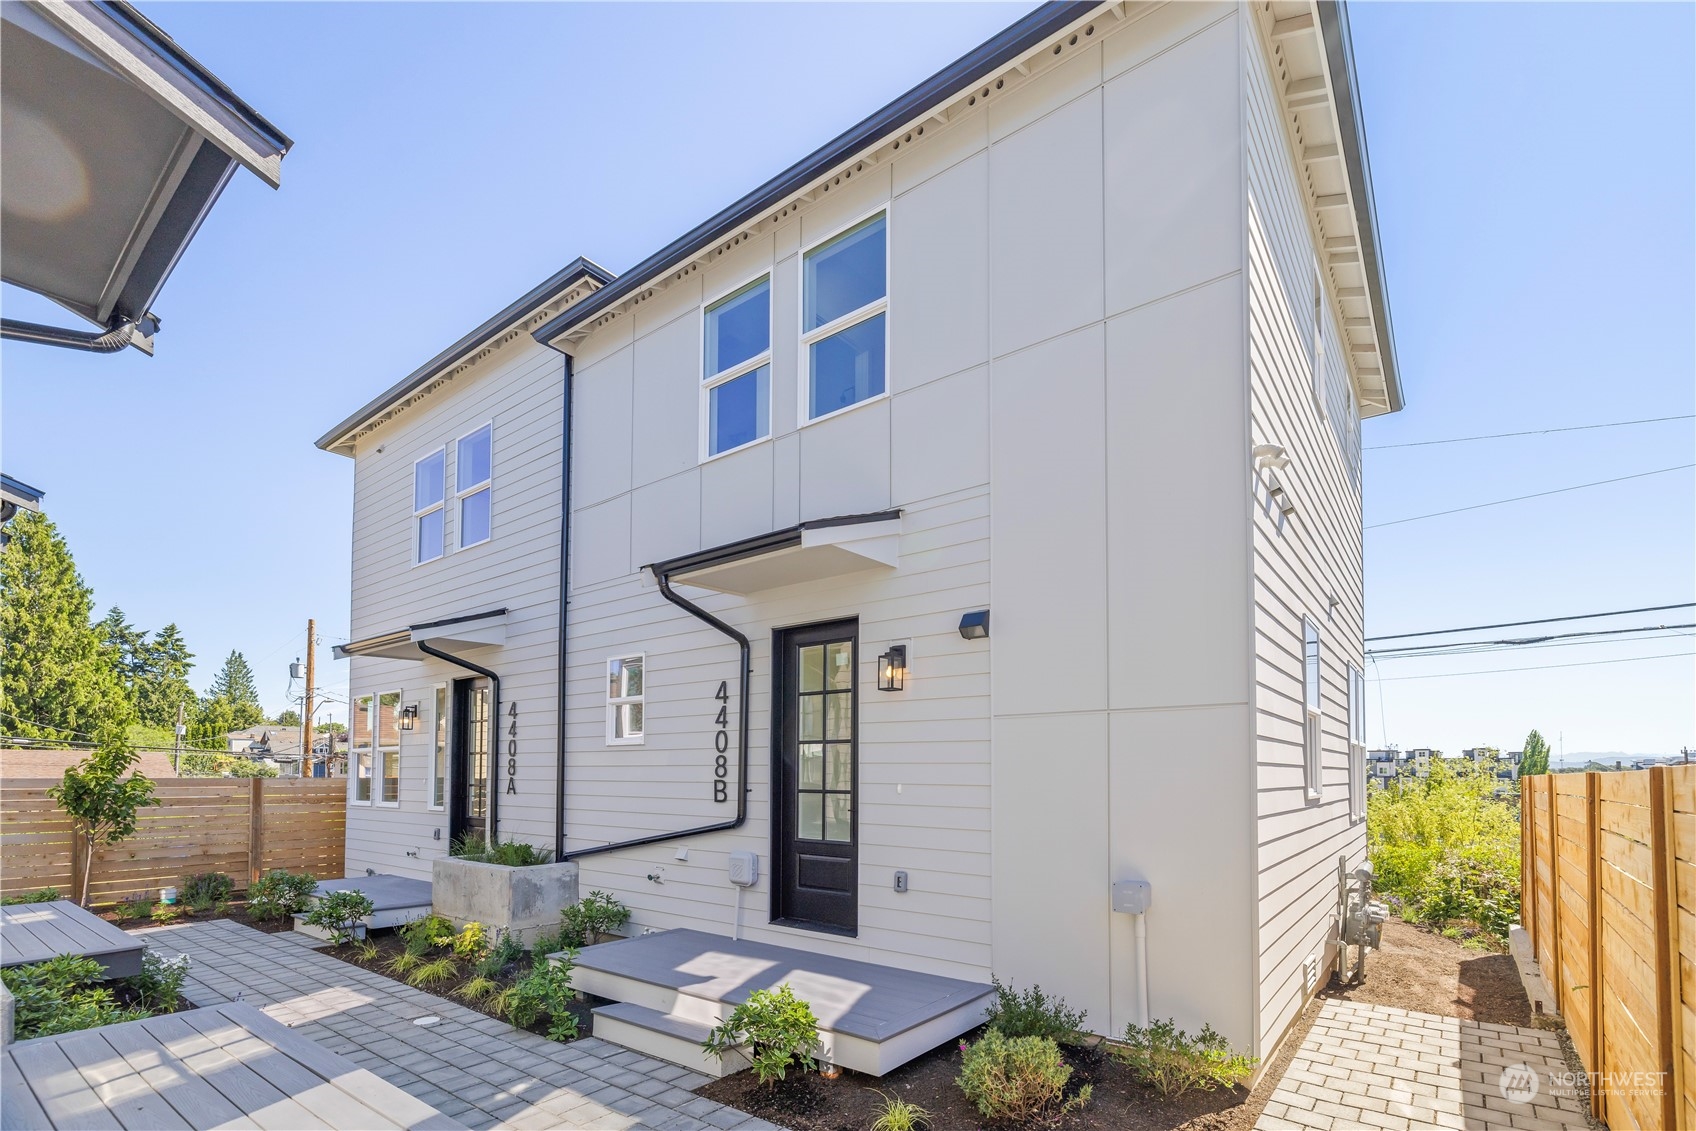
[
  {"x": 512, "y": 748},
  {"x": 721, "y": 743}
]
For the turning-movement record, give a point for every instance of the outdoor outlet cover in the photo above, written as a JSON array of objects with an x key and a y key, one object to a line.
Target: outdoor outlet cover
[
  {"x": 683, "y": 854},
  {"x": 900, "y": 881}
]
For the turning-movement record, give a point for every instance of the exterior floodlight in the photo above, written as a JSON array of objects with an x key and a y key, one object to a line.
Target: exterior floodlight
[
  {"x": 975, "y": 626},
  {"x": 892, "y": 668}
]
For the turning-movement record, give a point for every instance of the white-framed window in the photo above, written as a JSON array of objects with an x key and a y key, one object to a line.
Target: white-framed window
[
  {"x": 429, "y": 513},
  {"x": 1312, "y": 713},
  {"x": 736, "y": 369},
  {"x": 624, "y": 700},
  {"x": 437, "y": 796},
  {"x": 1357, "y": 744},
  {"x": 359, "y": 751},
  {"x": 387, "y": 730},
  {"x": 473, "y": 475},
  {"x": 845, "y": 319}
]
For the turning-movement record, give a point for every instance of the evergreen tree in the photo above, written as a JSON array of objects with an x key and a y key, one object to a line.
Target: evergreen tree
[
  {"x": 57, "y": 679},
  {"x": 289, "y": 718},
  {"x": 235, "y": 687},
  {"x": 1536, "y": 757},
  {"x": 130, "y": 644},
  {"x": 163, "y": 685},
  {"x": 210, "y": 720}
]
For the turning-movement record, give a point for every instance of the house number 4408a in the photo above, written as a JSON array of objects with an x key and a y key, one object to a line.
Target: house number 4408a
[
  {"x": 512, "y": 748},
  {"x": 721, "y": 743}
]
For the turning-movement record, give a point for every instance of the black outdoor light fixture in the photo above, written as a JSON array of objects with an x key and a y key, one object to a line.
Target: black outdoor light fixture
[
  {"x": 975, "y": 626},
  {"x": 408, "y": 716},
  {"x": 892, "y": 668}
]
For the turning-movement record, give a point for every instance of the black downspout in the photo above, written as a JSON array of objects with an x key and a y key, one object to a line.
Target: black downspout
[
  {"x": 741, "y": 734},
  {"x": 564, "y": 578},
  {"x": 494, "y": 731}
]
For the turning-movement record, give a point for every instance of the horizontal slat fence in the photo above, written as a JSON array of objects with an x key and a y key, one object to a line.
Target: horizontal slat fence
[
  {"x": 239, "y": 826},
  {"x": 1610, "y": 891}
]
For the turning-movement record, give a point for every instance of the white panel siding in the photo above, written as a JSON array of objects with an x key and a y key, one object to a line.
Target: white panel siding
[{"x": 1300, "y": 564}]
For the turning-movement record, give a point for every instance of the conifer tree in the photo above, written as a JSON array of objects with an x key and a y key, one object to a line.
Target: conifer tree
[
  {"x": 163, "y": 684},
  {"x": 235, "y": 687}
]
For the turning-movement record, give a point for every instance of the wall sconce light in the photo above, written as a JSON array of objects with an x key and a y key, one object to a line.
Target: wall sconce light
[
  {"x": 408, "y": 716},
  {"x": 892, "y": 668},
  {"x": 975, "y": 626}
]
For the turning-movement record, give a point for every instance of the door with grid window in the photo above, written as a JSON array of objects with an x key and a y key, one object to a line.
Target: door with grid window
[
  {"x": 468, "y": 814},
  {"x": 816, "y": 856}
]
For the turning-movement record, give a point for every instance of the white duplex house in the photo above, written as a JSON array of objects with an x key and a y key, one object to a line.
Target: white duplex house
[{"x": 962, "y": 523}]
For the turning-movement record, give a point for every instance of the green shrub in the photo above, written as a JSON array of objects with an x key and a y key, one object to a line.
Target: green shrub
[
  {"x": 279, "y": 894},
  {"x": 1172, "y": 1062},
  {"x": 512, "y": 853},
  {"x": 778, "y": 1026},
  {"x": 158, "y": 988},
  {"x": 135, "y": 908},
  {"x": 471, "y": 943},
  {"x": 339, "y": 913},
  {"x": 206, "y": 891},
  {"x": 62, "y": 995},
  {"x": 1020, "y": 1079},
  {"x": 596, "y": 914},
  {"x": 899, "y": 1115},
  {"x": 45, "y": 895},
  {"x": 545, "y": 990},
  {"x": 1034, "y": 1014},
  {"x": 424, "y": 935},
  {"x": 548, "y": 942},
  {"x": 504, "y": 953},
  {"x": 166, "y": 913}
]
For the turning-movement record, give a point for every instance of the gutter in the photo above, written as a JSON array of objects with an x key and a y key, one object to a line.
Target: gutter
[
  {"x": 125, "y": 333},
  {"x": 490, "y": 830}
]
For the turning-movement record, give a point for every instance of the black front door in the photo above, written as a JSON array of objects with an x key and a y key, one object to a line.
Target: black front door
[
  {"x": 468, "y": 815},
  {"x": 816, "y": 854}
]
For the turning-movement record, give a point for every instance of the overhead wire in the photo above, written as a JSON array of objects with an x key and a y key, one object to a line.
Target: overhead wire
[
  {"x": 1532, "y": 432},
  {"x": 1540, "y": 667},
  {"x": 1459, "y": 647},
  {"x": 1539, "y": 620},
  {"x": 1533, "y": 495}
]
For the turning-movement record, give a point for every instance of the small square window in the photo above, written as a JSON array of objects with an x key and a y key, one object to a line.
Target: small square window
[{"x": 625, "y": 700}]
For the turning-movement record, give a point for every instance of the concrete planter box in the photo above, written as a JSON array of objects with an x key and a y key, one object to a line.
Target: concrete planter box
[{"x": 523, "y": 902}]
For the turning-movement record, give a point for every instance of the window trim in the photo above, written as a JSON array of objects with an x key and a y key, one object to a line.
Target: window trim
[
  {"x": 613, "y": 703},
  {"x": 354, "y": 750},
  {"x": 439, "y": 768},
  {"x": 440, "y": 505},
  {"x": 1313, "y": 717},
  {"x": 1357, "y": 743},
  {"x": 805, "y": 338},
  {"x": 725, "y": 376},
  {"x": 461, "y": 493},
  {"x": 378, "y": 751}
]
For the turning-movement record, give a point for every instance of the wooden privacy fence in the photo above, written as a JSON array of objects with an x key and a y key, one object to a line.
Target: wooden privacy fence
[
  {"x": 1609, "y": 897},
  {"x": 239, "y": 826}
]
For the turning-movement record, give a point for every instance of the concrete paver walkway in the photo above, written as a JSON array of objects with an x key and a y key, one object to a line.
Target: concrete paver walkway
[
  {"x": 472, "y": 1067},
  {"x": 1375, "y": 1066}
]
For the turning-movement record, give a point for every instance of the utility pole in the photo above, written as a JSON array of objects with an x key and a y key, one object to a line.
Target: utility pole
[{"x": 306, "y": 706}]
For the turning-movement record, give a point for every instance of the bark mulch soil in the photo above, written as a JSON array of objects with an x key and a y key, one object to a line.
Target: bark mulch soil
[
  {"x": 236, "y": 912},
  {"x": 1416, "y": 969}
]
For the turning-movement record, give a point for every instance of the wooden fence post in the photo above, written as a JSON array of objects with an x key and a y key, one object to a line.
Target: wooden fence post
[
  {"x": 1528, "y": 860},
  {"x": 1552, "y": 972},
  {"x": 1593, "y": 901},
  {"x": 1668, "y": 1007},
  {"x": 255, "y": 828}
]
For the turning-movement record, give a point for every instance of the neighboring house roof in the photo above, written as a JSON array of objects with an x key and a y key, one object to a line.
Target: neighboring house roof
[
  {"x": 117, "y": 144},
  {"x": 18, "y": 495},
  {"x": 39, "y": 762},
  {"x": 270, "y": 738}
]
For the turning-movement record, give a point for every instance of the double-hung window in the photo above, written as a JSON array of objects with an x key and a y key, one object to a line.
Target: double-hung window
[
  {"x": 844, "y": 319},
  {"x": 429, "y": 514},
  {"x": 473, "y": 474},
  {"x": 439, "y": 754},
  {"x": 1312, "y": 714},
  {"x": 736, "y": 369},
  {"x": 388, "y": 747},
  {"x": 624, "y": 700},
  {"x": 1357, "y": 744},
  {"x": 359, "y": 750}
]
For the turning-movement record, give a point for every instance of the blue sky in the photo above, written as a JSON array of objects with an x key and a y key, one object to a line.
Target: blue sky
[{"x": 1533, "y": 171}]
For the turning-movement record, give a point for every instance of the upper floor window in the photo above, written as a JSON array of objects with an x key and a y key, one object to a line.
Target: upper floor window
[
  {"x": 1312, "y": 714},
  {"x": 429, "y": 488},
  {"x": 624, "y": 700},
  {"x": 474, "y": 480},
  {"x": 844, "y": 316},
  {"x": 736, "y": 371}
]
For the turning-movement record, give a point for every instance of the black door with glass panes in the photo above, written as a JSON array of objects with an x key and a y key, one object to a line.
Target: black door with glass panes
[
  {"x": 468, "y": 812},
  {"x": 816, "y": 854}
]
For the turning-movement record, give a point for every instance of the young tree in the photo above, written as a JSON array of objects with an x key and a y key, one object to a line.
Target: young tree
[
  {"x": 235, "y": 686},
  {"x": 57, "y": 679},
  {"x": 100, "y": 800},
  {"x": 1536, "y": 757},
  {"x": 163, "y": 686}
]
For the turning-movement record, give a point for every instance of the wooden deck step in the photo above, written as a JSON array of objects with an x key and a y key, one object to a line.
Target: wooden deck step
[{"x": 665, "y": 1036}]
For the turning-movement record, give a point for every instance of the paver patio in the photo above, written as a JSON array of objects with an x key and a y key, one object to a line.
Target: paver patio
[
  {"x": 1375, "y": 1066},
  {"x": 478, "y": 1070}
]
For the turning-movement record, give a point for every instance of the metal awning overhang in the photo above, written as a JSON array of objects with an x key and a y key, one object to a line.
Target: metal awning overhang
[
  {"x": 474, "y": 630},
  {"x": 811, "y": 551}
]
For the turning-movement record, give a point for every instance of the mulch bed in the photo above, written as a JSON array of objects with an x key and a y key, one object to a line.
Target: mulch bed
[{"x": 236, "y": 912}]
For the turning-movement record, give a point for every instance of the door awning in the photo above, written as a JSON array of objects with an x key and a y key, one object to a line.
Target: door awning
[
  {"x": 810, "y": 551},
  {"x": 474, "y": 630}
]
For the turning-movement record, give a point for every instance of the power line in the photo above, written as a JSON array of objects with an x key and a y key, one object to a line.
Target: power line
[
  {"x": 1534, "y": 495},
  {"x": 1523, "y": 623},
  {"x": 1541, "y": 667},
  {"x": 1457, "y": 647},
  {"x": 1533, "y": 432},
  {"x": 1462, "y": 651}
]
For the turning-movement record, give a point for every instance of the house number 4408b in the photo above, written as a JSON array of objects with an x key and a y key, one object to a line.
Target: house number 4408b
[{"x": 721, "y": 743}]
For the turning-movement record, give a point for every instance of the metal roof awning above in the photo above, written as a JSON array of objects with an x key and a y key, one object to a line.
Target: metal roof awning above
[
  {"x": 811, "y": 551},
  {"x": 474, "y": 630}
]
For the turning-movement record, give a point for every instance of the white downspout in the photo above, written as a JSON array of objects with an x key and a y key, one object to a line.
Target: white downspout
[{"x": 1142, "y": 969}]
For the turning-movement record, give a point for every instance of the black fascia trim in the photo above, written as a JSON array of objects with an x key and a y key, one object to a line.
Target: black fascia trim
[
  {"x": 852, "y": 519},
  {"x": 19, "y": 487},
  {"x": 1345, "y": 85},
  {"x": 194, "y": 70},
  {"x": 760, "y": 544},
  {"x": 964, "y": 72},
  {"x": 501, "y": 612},
  {"x": 577, "y": 269},
  {"x": 208, "y": 172}
]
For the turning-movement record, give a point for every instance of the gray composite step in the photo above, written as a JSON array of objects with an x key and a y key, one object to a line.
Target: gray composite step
[
  {"x": 654, "y": 1021},
  {"x": 386, "y": 893}
]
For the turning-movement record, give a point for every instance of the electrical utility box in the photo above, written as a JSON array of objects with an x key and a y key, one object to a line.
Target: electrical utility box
[
  {"x": 744, "y": 869},
  {"x": 1132, "y": 897}
]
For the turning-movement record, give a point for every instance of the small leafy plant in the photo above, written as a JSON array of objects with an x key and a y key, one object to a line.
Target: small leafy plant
[
  {"x": 426, "y": 934},
  {"x": 403, "y": 963},
  {"x": 206, "y": 891},
  {"x": 780, "y": 1028},
  {"x": 545, "y": 990},
  {"x": 279, "y": 894},
  {"x": 135, "y": 909},
  {"x": 504, "y": 953},
  {"x": 597, "y": 914},
  {"x": 339, "y": 913},
  {"x": 45, "y": 895},
  {"x": 365, "y": 950},
  {"x": 1019, "y": 1079},
  {"x": 1034, "y": 1014},
  {"x": 1172, "y": 1062},
  {"x": 899, "y": 1115},
  {"x": 62, "y": 995},
  {"x": 512, "y": 853},
  {"x": 471, "y": 943},
  {"x": 158, "y": 988},
  {"x": 166, "y": 913}
]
